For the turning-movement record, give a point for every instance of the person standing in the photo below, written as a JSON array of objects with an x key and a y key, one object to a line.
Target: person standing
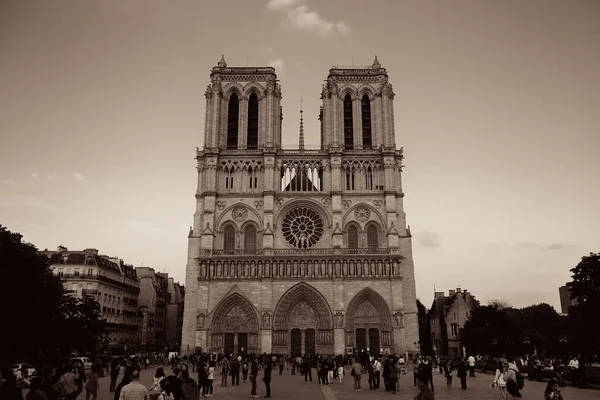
[
  {"x": 114, "y": 374},
  {"x": 189, "y": 387},
  {"x": 424, "y": 392},
  {"x": 306, "y": 368},
  {"x": 377, "y": 370},
  {"x": 225, "y": 370},
  {"x": 461, "y": 370},
  {"x": 471, "y": 361},
  {"x": 448, "y": 368},
  {"x": 253, "y": 376},
  {"x": 357, "y": 371},
  {"x": 267, "y": 379},
  {"x": 210, "y": 377},
  {"x": 499, "y": 381},
  {"x": 340, "y": 373},
  {"x": 574, "y": 366},
  {"x": 415, "y": 365},
  {"x": 134, "y": 390}
]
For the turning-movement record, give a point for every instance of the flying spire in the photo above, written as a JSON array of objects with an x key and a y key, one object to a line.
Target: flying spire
[
  {"x": 301, "y": 138},
  {"x": 222, "y": 63}
]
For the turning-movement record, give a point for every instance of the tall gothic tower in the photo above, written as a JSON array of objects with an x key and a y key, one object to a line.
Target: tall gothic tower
[{"x": 299, "y": 251}]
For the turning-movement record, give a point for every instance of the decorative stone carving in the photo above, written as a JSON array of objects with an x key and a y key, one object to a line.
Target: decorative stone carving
[
  {"x": 368, "y": 308},
  {"x": 235, "y": 314},
  {"x": 302, "y": 227},
  {"x": 362, "y": 213},
  {"x": 258, "y": 204},
  {"x": 339, "y": 319},
  {"x": 303, "y": 317},
  {"x": 239, "y": 213},
  {"x": 399, "y": 318},
  {"x": 221, "y": 204},
  {"x": 326, "y": 201},
  {"x": 302, "y": 292},
  {"x": 266, "y": 320},
  {"x": 200, "y": 321},
  {"x": 377, "y": 203},
  {"x": 279, "y": 201},
  {"x": 346, "y": 203}
]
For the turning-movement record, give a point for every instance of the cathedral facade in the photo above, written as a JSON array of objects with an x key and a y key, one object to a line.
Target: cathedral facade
[{"x": 299, "y": 251}]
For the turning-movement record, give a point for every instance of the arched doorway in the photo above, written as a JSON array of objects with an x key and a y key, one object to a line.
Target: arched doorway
[
  {"x": 234, "y": 327},
  {"x": 302, "y": 322},
  {"x": 369, "y": 323}
]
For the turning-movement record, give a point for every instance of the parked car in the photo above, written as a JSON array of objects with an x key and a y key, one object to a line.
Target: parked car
[
  {"x": 30, "y": 370},
  {"x": 87, "y": 364}
]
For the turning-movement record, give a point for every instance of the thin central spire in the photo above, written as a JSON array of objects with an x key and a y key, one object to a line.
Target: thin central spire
[{"x": 301, "y": 138}]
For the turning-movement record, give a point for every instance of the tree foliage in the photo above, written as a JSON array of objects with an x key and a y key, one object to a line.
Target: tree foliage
[
  {"x": 585, "y": 290},
  {"x": 40, "y": 315},
  {"x": 496, "y": 329}
]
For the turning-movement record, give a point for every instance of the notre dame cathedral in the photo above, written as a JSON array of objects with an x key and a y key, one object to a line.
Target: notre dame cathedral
[{"x": 298, "y": 251}]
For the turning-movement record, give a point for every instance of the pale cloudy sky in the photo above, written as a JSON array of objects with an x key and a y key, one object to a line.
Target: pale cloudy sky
[{"x": 497, "y": 107}]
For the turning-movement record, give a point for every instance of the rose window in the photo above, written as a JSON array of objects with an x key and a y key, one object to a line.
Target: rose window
[{"x": 302, "y": 227}]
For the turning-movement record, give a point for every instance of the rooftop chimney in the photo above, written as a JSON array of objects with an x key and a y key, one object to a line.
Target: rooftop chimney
[
  {"x": 437, "y": 295},
  {"x": 451, "y": 292},
  {"x": 61, "y": 248},
  {"x": 16, "y": 237},
  {"x": 92, "y": 251}
]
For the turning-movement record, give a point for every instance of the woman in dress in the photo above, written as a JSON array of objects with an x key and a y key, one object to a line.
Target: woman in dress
[{"x": 499, "y": 381}]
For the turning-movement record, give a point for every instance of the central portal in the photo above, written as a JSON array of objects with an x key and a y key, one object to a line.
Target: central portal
[{"x": 296, "y": 343}]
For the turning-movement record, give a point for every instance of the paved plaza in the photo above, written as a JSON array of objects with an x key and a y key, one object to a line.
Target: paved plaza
[{"x": 288, "y": 386}]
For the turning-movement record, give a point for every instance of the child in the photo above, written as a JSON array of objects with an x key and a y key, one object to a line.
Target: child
[
  {"x": 340, "y": 372},
  {"x": 91, "y": 387}
]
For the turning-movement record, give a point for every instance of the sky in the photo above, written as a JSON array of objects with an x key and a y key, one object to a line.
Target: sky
[{"x": 497, "y": 107}]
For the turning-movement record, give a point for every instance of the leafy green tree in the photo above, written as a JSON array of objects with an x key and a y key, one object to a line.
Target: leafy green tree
[
  {"x": 40, "y": 316},
  {"x": 585, "y": 290}
]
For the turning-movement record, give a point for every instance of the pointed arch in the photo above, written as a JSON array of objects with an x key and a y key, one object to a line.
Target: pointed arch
[
  {"x": 244, "y": 318},
  {"x": 229, "y": 238},
  {"x": 302, "y": 292},
  {"x": 374, "y": 299},
  {"x": 233, "y": 113},
  {"x": 367, "y": 139},
  {"x": 372, "y": 236},
  {"x": 250, "y": 238},
  {"x": 353, "y": 237},
  {"x": 253, "y": 112},
  {"x": 348, "y": 123}
]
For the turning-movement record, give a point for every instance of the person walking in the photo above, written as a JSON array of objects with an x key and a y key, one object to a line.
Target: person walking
[
  {"x": 340, "y": 373},
  {"x": 415, "y": 365},
  {"x": 92, "y": 385},
  {"x": 448, "y": 367},
  {"x": 424, "y": 392},
  {"x": 253, "y": 376},
  {"x": 225, "y": 370},
  {"x": 356, "y": 372},
  {"x": 202, "y": 376},
  {"x": 499, "y": 381},
  {"x": 267, "y": 379},
  {"x": 134, "y": 390}
]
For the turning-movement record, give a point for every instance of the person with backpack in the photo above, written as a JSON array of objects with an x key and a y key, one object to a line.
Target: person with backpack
[{"x": 514, "y": 381}]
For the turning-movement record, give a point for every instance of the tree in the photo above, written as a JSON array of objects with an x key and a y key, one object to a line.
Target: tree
[
  {"x": 41, "y": 316},
  {"x": 585, "y": 290}
]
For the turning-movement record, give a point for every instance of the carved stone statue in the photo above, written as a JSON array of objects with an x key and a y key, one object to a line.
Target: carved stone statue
[
  {"x": 266, "y": 320},
  {"x": 339, "y": 319},
  {"x": 200, "y": 321},
  {"x": 398, "y": 316}
]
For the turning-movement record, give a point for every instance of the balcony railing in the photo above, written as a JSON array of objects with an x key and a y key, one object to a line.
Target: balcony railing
[{"x": 296, "y": 252}]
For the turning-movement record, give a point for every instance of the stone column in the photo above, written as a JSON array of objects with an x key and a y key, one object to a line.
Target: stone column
[
  {"x": 303, "y": 341},
  {"x": 357, "y": 123},
  {"x": 243, "y": 123}
]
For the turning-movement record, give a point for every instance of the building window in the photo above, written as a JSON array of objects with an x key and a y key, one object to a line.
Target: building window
[
  {"x": 372, "y": 237},
  {"x": 229, "y": 238},
  {"x": 454, "y": 330},
  {"x": 366, "y": 122},
  {"x": 353, "y": 237},
  {"x": 250, "y": 238},
  {"x": 348, "y": 123},
  {"x": 253, "y": 122},
  {"x": 233, "y": 113},
  {"x": 76, "y": 273},
  {"x": 60, "y": 272}
]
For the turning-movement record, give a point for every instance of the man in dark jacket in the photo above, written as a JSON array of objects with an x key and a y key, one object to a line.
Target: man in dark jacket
[
  {"x": 306, "y": 367},
  {"x": 173, "y": 383},
  {"x": 114, "y": 374},
  {"x": 267, "y": 379}
]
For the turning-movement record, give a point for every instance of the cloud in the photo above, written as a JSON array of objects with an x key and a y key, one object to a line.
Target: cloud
[
  {"x": 8, "y": 182},
  {"x": 429, "y": 240},
  {"x": 78, "y": 176},
  {"x": 303, "y": 19},
  {"x": 528, "y": 244},
  {"x": 50, "y": 178},
  {"x": 559, "y": 246},
  {"x": 277, "y": 64},
  {"x": 35, "y": 176},
  {"x": 280, "y": 4}
]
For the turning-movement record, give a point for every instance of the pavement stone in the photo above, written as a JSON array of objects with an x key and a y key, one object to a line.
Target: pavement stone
[{"x": 289, "y": 386}]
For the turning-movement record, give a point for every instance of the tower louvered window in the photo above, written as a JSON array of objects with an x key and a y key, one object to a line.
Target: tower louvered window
[
  {"x": 229, "y": 239},
  {"x": 372, "y": 237},
  {"x": 233, "y": 113},
  {"x": 250, "y": 238},
  {"x": 348, "y": 123},
  {"x": 353, "y": 238},
  {"x": 253, "y": 122},
  {"x": 366, "y": 122}
]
